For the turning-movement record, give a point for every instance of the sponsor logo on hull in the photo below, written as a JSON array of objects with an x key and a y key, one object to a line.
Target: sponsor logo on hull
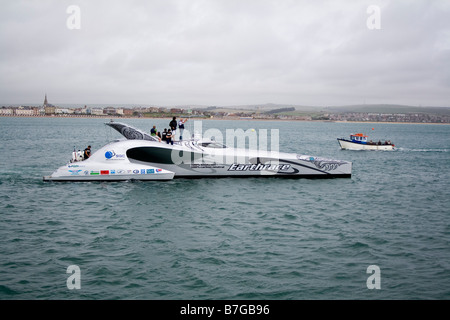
[{"x": 111, "y": 155}]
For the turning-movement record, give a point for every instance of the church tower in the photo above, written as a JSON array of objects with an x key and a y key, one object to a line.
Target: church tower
[{"x": 45, "y": 101}]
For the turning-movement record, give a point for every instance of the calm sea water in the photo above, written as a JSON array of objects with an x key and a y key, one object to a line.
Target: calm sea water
[{"x": 227, "y": 238}]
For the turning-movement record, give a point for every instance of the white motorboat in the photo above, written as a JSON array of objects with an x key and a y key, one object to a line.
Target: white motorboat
[
  {"x": 358, "y": 141},
  {"x": 144, "y": 157}
]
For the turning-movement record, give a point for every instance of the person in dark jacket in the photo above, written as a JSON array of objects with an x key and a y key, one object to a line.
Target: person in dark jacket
[
  {"x": 87, "y": 152},
  {"x": 169, "y": 136},
  {"x": 173, "y": 125}
]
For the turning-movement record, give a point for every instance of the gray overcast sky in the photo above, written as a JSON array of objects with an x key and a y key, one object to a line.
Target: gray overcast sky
[{"x": 225, "y": 52}]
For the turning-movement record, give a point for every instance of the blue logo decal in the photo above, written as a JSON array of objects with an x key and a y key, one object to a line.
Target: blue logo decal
[{"x": 109, "y": 154}]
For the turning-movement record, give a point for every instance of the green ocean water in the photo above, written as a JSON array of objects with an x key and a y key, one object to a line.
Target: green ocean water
[{"x": 227, "y": 238}]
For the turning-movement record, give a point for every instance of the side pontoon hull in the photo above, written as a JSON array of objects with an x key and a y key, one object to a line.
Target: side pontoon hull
[
  {"x": 108, "y": 178},
  {"x": 97, "y": 171}
]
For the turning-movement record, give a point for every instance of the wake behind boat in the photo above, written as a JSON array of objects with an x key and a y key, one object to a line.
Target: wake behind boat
[
  {"x": 144, "y": 157},
  {"x": 358, "y": 141}
]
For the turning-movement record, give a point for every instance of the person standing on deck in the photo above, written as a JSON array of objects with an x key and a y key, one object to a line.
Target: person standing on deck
[
  {"x": 181, "y": 127},
  {"x": 173, "y": 126}
]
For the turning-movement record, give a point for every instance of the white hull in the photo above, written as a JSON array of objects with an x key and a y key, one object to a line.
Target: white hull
[
  {"x": 348, "y": 145},
  {"x": 142, "y": 158}
]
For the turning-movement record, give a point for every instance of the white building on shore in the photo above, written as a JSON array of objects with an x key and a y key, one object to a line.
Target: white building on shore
[
  {"x": 26, "y": 111},
  {"x": 5, "y": 111},
  {"x": 96, "y": 111}
]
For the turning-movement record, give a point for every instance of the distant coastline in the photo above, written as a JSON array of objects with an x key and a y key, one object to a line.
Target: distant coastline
[
  {"x": 210, "y": 118},
  {"x": 385, "y": 113},
  {"x": 265, "y": 112}
]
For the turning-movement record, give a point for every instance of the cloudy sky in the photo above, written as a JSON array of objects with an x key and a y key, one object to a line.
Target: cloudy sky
[{"x": 225, "y": 52}]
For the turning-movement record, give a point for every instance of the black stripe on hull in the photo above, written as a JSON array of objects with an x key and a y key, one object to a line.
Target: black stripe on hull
[{"x": 284, "y": 176}]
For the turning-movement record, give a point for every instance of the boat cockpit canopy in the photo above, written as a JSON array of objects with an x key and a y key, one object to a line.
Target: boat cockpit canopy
[{"x": 358, "y": 137}]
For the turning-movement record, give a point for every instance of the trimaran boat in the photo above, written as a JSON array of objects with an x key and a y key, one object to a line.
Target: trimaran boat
[{"x": 142, "y": 156}]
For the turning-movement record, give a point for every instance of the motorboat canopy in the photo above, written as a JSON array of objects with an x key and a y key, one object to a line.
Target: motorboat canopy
[{"x": 359, "y": 138}]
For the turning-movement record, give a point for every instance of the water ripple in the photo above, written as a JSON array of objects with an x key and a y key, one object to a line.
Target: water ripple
[{"x": 229, "y": 238}]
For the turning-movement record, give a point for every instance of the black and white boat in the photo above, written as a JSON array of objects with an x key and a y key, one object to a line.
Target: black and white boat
[{"x": 144, "y": 157}]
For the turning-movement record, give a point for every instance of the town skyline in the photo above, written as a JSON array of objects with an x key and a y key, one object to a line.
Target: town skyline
[{"x": 269, "y": 111}]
